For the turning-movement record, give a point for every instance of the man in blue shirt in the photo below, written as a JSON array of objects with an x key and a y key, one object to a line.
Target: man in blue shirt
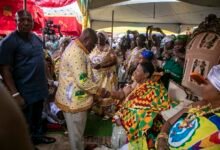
[{"x": 22, "y": 67}]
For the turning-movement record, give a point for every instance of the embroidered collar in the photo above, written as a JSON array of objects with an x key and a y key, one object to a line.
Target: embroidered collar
[{"x": 81, "y": 46}]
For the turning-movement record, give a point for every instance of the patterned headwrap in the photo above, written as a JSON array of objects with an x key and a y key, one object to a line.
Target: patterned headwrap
[
  {"x": 214, "y": 76},
  {"x": 147, "y": 54}
]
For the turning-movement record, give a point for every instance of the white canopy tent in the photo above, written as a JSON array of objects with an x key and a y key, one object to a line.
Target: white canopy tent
[{"x": 170, "y": 15}]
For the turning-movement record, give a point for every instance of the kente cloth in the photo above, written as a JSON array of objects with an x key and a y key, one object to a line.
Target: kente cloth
[
  {"x": 201, "y": 133},
  {"x": 141, "y": 107},
  {"x": 138, "y": 144}
]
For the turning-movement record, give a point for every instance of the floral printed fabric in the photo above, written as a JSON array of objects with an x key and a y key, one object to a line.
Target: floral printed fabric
[{"x": 76, "y": 89}]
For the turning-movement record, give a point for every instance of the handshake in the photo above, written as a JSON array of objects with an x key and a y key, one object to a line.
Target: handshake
[
  {"x": 107, "y": 98},
  {"x": 114, "y": 94}
]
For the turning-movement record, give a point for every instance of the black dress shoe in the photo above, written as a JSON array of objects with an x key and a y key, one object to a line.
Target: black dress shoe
[{"x": 43, "y": 140}]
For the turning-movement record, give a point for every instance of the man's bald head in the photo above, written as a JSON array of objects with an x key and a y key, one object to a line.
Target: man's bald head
[
  {"x": 88, "y": 39},
  {"x": 24, "y": 21}
]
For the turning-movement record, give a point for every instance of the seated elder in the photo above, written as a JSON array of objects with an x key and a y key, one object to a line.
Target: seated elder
[
  {"x": 144, "y": 99},
  {"x": 197, "y": 126}
]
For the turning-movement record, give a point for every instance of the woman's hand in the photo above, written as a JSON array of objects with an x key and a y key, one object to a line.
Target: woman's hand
[{"x": 162, "y": 144}]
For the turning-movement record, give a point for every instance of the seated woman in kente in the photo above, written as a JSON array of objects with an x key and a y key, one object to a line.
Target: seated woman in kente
[
  {"x": 197, "y": 126},
  {"x": 143, "y": 100}
]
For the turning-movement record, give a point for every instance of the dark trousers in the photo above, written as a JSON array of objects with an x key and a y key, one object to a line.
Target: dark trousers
[{"x": 33, "y": 114}]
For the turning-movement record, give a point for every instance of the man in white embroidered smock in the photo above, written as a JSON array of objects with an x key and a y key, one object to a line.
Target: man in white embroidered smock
[{"x": 76, "y": 89}]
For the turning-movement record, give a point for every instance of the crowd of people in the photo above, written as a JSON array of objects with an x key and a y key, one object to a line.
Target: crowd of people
[{"x": 64, "y": 79}]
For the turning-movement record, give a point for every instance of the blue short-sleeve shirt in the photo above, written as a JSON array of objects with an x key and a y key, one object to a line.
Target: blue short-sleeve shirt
[{"x": 26, "y": 57}]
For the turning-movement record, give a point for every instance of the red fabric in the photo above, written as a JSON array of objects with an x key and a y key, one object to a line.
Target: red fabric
[
  {"x": 69, "y": 25},
  {"x": 53, "y": 3},
  {"x": 8, "y": 9}
]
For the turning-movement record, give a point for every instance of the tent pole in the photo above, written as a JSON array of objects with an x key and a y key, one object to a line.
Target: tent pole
[
  {"x": 113, "y": 15},
  {"x": 25, "y": 4},
  {"x": 154, "y": 11},
  {"x": 180, "y": 28}
]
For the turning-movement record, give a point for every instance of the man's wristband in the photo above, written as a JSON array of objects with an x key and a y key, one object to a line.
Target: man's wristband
[{"x": 15, "y": 94}]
